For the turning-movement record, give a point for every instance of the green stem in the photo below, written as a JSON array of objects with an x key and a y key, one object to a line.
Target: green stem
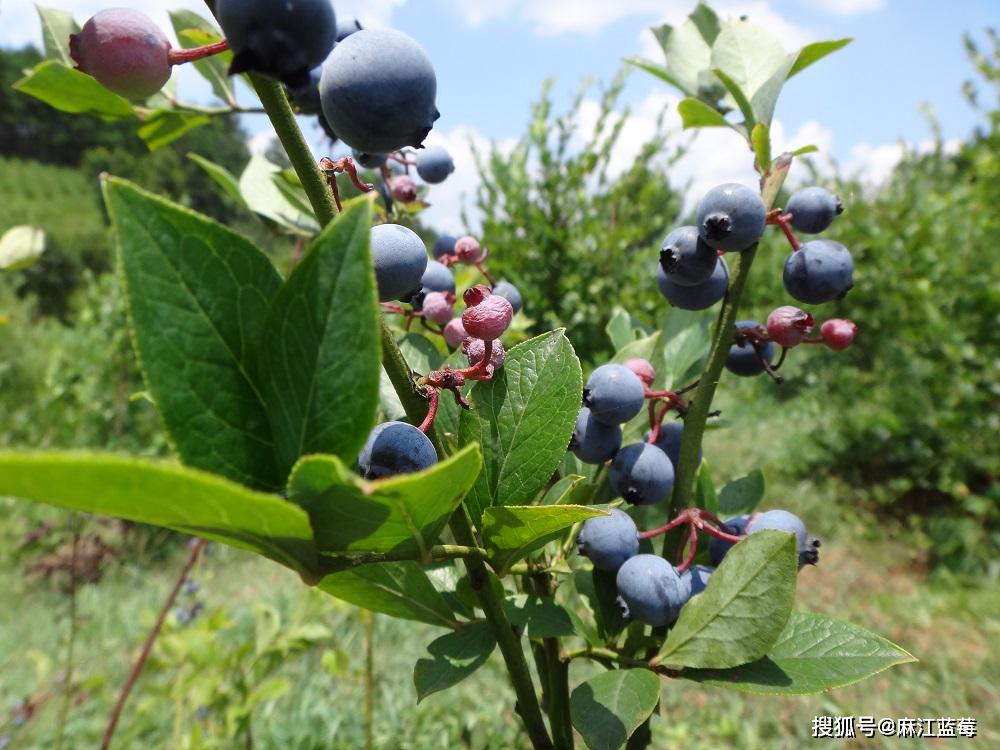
[
  {"x": 334, "y": 563},
  {"x": 722, "y": 338},
  {"x": 276, "y": 104},
  {"x": 555, "y": 678},
  {"x": 369, "y": 680}
]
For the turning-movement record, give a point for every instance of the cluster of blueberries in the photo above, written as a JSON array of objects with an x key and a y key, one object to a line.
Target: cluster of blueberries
[{"x": 653, "y": 591}]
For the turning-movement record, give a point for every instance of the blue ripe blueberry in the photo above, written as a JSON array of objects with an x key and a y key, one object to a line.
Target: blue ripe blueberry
[
  {"x": 782, "y": 520},
  {"x": 642, "y": 474},
  {"x": 284, "y": 40},
  {"x": 697, "y": 297},
  {"x": 819, "y": 271},
  {"x": 669, "y": 441},
  {"x": 813, "y": 209},
  {"x": 326, "y": 127},
  {"x": 717, "y": 548},
  {"x": 609, "y": 540},
  {"x": 444, "y": 245},
  {"x": 614, "y": 394},
  {"x": 686, "y": 259},
  {"x": 400, "y": 261},
  {"x": 306, "y": 97},
  {"x": 378, "y": 89},
  {"x": 346, "y": 27},
  {"x": 510, "y": 293},
  {"x": 743, "y": 359},
  {"x": 594, "y": 442},
  {"x": 434, "y": 164},
  {"x": 731, "y": 217},
  {"x": 438, "y": 278},
  {"x": 395, "y": 448},
  {"x": 650, "y": 590},
  {"x": 695, "y": 579},
  {"x": 369, "y": 161}
]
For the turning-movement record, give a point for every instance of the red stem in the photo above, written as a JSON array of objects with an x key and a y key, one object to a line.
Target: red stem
[
  {"x": 147, "y": 647},
  {"x": 484, "y": 272},
  {"x": 692, "y": 549},
  {"x": 432, "y": 407},
  {"x": 684, "y": 517},
  {"x": 784, "y": 221},
  {"x": 181, "y": 56}
]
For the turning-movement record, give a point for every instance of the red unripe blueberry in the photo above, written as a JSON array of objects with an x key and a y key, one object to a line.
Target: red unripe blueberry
[
  {"x": 488, "y": 318},
  {"x": 454, "y": 332},
  {"x": 468, "y": 249},
  {"x": 475, "y": 348},
  {"x": 124, "y": 50},
  {"x": 643, "y": 370},
  {"x": 838, "y": 333},
  {"x": 789, "y": 325},
  {"x": 404, "y": 189},
  {"x": 438, "y": 306}
]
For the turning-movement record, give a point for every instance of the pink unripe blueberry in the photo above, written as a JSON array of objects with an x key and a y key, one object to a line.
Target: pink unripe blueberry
[
  {"x": 454, "y": 332},
  {"x": 643, "y": 370},
  {"x": 488, "y": 318},
  {"x": 838, "y": 333},
  {"x": 437, "y": 306},
  {"x": 404, "y": 189},
  {"x": 468, "y": 249},
  {"x": 124, "y": 50},
  {"x": 789, "y": 325},
  {"x": 475, "y": 348}
]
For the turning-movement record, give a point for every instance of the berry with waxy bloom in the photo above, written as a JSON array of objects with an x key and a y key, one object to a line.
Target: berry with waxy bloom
[
  {"x": 438, "y": 306},
  {"x": 488, "y": 315},
  {"x": 468, "y": 249}
]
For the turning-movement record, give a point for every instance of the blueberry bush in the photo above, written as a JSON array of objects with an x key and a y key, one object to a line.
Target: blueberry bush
[{"x": 434, "y": 473}]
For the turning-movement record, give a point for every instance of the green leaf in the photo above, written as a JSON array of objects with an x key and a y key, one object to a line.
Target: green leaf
[
  {"x": 810, "y": 149},
  {"x": 453, "y": 657},
  {"x": 69, "y": 90},
  {"x": 644, "y": 348},
  {"x": 164, "y": 126},
  {"x": 742, "y": 495},
  {"x": 512, "y": 532},
  {"x": 755, "y": 61},
  {"x": 813, "y": 653},
  {"x": 540, "y": 617},
  {"x": 687, "y": 56},
  {"x": 194, "y": 31},
  {"x": 742, "y": 611},
  {"x": 21, "y": 246},
  {"x": 600, "y": 590},
  {"x": 814, "y": 52},
  {"x": 57, "y": 25},
  {"x": 738, "y": 96},
  {"x": 398, "y": 589},
  {"x": 760, "y": 139},
  {"x": 523, "y": 419},
  {"x": 686, "y": 342},
  {"x": 402, "y": 515},
  {"x": 164, "y": 494},
  {"x": 696, "y": 114},
  {"x": 705, "y": 489},
  {"x": 657, "y": 70},
  {"x": 563, "y": 490},
  {"x": 619, "y": 328},
  {"x": 320, "y": 363},
  {"x": 707, "y": 23},
  {"x": 608, "y": 708},
  {"x": 197, "y": 295},
  {"x": 420, "y": 353},
  {"x": 221, "y": 176},
  {"x": 263, "y": 197}
]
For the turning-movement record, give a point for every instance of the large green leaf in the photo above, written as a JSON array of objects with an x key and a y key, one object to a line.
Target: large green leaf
[
  {"x": 69, "y": 90},
  {"x": 696, "y": 114},
  {"x": 263, "y": 196},
  {"x": 814, "y": 52},
  {"x": 194, "y": 31},
  {"x": 398, "y": 589},
  {"x": 57, "y": 25},
  {"x": 742, "y": 495},
  {"x": 164, "y": 126},
  {"x": 320, "y": 362},
  {"x": 687, "y": 55},
  {"x": 755, "y": 62},
  {"x": 523, "y": 419},
  {"x": 541, "y": 617},
  {"x": 403, "y": 515},
  {"x": 453, "y": 657},
  {"x": 600, "y": 591},
  {"x": 619, "y": 328},
  {"x": 742, "y": 611},
  {"x": 197, "y": 295},
  {"x": 515, "y": 531},
  {"x": 608, "y": 708},
  {"x": 685, "y": 342},
  {"x": 814, "y": 653},
  {"x": 165, "y": 494},
  {"x": 221, "y": 176}
]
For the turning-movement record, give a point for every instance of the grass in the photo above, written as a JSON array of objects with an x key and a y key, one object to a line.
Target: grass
[{"x": 871, "y": 574}]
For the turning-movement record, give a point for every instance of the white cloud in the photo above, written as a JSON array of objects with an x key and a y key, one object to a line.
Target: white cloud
[
  {"x": 872, "y": 164},
  {"x": 848, "y": 7}
]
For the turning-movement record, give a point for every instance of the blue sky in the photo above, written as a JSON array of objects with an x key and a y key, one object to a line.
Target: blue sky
[{"x": 491, "y": 57}]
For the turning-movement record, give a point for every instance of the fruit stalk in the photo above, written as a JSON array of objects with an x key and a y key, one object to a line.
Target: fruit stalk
[
  {"x": 722, "y": 338},
  {"x": 283, "y": 119}
]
